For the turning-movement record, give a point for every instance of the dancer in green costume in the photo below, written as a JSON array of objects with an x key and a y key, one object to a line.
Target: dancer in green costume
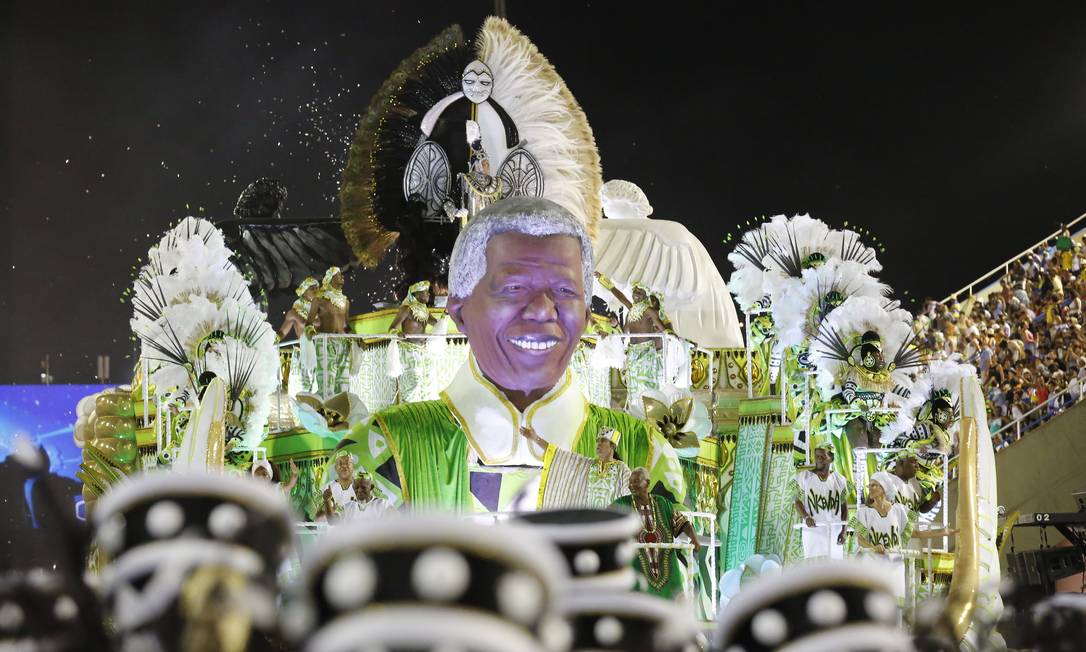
[
  {"x": 517, "y": 284},
  {"x": 661, "y": 522}
]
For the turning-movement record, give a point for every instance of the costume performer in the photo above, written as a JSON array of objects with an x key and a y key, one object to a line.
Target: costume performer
[
  {"x": 328, "y": 314},
  {"x": 408, "y": 360},
  {"x": 883, "y": 529},
  {"x": 821, "y": 499},
  {"x": 644, "y": 358},
  {"x": 296, "y": 318},
  {"x": 661, "y": 522},
  {"x": 902, "y": 486},
  {"x": 517, "y": 291},
  {"x": 414, "y": 314},
  {"x": 572, "y": 480},
  {"x": 262, "y": 470},
  {"x": 929, "y": 425},
  {"x": 848, "y": 351},
  {"x": 350, "y": 495}
]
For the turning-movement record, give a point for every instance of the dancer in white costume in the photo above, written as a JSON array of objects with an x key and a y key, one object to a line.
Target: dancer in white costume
[
  {"x": 883, "y": 529},
  {"x": 203, "y": 445},
  {"x": 820, "y": 501}
]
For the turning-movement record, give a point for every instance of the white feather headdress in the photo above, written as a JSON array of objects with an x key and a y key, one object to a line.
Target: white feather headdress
[
  {"x": 940, "y": 377},
  {"x": 747, "y": 282},
  {"x": 834, "y": 349},
  {"x": 193, "y": 313},
  {"x": 798, "y": 303}
]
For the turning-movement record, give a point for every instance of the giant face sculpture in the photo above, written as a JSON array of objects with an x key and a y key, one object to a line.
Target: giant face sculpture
[
  {"x": 477, "y": 82},
  {"x": 525, "y": 317}
]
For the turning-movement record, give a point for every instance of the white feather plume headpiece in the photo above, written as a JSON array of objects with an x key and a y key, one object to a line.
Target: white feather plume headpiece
[
  {"x": 941, "y": 378},
  {"x": 835, "y": 348},
  {"x": 800, "y": 305},
  {"x": 551, "y": 123},
  {"x": 193, "y": 313},
  {"x": 803, "y": 242},
  {"x": 747, "y": 282}
]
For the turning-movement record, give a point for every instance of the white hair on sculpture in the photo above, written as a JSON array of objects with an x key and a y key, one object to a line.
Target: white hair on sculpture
[
  {"x": 528, "y": 215},
  {"x": 850, "y": 321},
  {"x": 624, "y": 200},
  {"x": 795, "y": 309}
]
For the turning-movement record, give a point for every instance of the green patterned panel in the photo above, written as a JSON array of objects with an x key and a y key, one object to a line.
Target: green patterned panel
[
  {"x": 746, "y": 490},
  {"x": 777, "y": 503}
]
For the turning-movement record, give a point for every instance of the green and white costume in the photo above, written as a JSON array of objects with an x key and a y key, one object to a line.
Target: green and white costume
[
  {"x": 572, "y": 480},
  {"x": 464, "y": 452},
  {"x": 644, "y": 368}
]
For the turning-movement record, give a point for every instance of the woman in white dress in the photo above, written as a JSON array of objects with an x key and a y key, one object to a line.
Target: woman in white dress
[{"x": 883, "y": 529}]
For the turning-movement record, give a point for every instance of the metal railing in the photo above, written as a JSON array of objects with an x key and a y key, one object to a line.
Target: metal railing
[
  {"x": 323, "y": 339},
  {"x": 987, "y": 279},
  {"x": 1027, "y": 419}
]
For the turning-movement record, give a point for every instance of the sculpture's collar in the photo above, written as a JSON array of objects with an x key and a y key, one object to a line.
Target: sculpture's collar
[{"x": 492, "y": 424}]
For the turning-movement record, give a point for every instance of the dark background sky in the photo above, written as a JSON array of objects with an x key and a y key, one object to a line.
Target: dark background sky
[{"x": 958, "y": 138}]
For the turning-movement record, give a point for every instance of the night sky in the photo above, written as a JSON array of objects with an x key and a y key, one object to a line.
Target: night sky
[{"x": 959, "y": 139}]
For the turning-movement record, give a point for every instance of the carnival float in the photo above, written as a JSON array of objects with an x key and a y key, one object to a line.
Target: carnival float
[{"x": 673, "y": 475}]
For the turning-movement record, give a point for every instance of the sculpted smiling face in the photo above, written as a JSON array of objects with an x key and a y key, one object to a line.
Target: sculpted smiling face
[{"x": 526, "y": 315}]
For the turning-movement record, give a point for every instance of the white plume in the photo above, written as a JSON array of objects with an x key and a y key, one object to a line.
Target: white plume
[
  {"x": 193, "y": 313},
  {"x": 794, "y": 299},
  {"x": 551, "y": 123},
  {"x": 850, "y": 321}
]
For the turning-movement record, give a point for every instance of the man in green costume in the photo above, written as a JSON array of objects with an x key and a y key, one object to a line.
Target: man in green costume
[
  {"x": 661, "y": 522},
  {"x": 519, "y": 278}
]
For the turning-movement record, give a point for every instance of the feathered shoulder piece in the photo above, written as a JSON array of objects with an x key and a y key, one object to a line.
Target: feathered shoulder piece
[
  {"x": 800, "y": 306},
  {"x": 864, "y": 341},
  {"x": 938, "y": 386}
]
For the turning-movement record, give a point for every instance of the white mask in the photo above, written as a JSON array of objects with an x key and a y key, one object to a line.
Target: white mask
[{"x": 477, "y": 82}]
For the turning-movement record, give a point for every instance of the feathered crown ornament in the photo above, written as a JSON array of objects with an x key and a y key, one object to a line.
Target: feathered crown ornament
[
  {"x": 800, "y": 307},
  {"x": 864, "y": 342},
  {"x": 408, "y": 159},
  {"x": 802, "y": 242},
  {"x": 196, "y": 320}
]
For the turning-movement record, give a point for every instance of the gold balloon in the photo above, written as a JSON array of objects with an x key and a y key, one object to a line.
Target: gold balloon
[
  {"x": 121, "y": 452},
  {"x": 114, "y": 426},
  {"x": 88, "y": 432},
  {"x": 114, "y": 403}
]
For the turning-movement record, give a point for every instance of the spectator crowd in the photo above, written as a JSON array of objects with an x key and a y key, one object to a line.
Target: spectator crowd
[{"x": 1024, "y": 336}]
